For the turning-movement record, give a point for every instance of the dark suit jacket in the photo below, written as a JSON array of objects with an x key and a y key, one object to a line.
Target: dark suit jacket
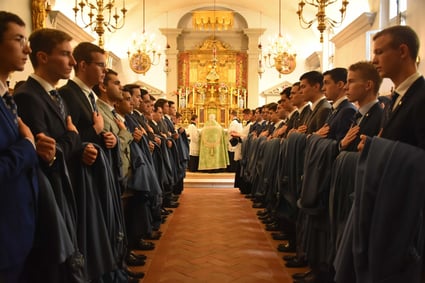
[
  {"x": 80, "y": 111},
  {"x": 303, "y": 117},
  {"x": 340, "y": 120},
  {"x": 319, "y": 116},
  {"x": 369, "y": 125},
  {"x": 41, "y": 114},
  {"x": 18, "y": 189},
  {"x": 406, "y": 123}
]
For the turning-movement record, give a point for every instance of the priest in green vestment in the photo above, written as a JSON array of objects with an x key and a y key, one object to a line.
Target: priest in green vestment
[{"x": 213, "y": 146}]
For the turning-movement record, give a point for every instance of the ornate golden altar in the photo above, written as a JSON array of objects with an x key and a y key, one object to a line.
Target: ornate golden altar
[{"x": 212, "y": 79}]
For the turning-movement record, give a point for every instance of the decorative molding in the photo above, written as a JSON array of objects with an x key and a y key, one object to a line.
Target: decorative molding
[
  {"x": 314, "y": 61},
  {"x": 354, "y": 29},
  {"x": 276, "y": 89},
  {"x": 61, "y": 22},
  {"x": 151, "y": 90}
]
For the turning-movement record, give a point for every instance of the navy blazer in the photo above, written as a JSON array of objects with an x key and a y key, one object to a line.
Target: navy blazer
[
  {"x": 406, "y": 123},
  {"x": 18, "y": 189},
  {"x": 38, "y": 110},
  {"x": 80, "y": 111},
  {"x": 318, "y": 116},
  {"x": 340, "y": 120}
]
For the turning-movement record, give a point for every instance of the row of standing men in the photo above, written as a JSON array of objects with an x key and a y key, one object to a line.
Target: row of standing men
[
  {"x": 84, "y": 182},
  {"x": 342, "y": 184}
]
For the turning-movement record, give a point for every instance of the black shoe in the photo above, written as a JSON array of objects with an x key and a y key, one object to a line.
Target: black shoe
[
  {"x": 262, "y": 212},
  {"x": 155, "y": 235},
  {"x": 289, "y": 257},
  {"x": 268, "y": 220},
  {"x": 263, "y": 217},
  {"x": 286, "y": 248},
  {"x": 272, "y": 227},
  {"x": 258, "y": 205},
  {"x": 296, "y": 263},
  {"x": 145, "y": 246},
  {"x": 280, "y": 237},
  {"x": 302, "y": 275},
  {"x": 171, "y": 204},
  {"x": 134, "y": 274},
  {"x": 139, "y": 256},
  {"x": 134, "y": 261}
]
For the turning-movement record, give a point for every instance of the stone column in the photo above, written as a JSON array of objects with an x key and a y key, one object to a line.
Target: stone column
[{"x": 253, "y": 56}]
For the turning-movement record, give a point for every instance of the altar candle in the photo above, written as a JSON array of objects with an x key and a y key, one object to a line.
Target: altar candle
[
  {"x": 245, "y": 99},
  {"x": 237, "y": 101},
  {"x": 187, "y": 92},
  {"x": 193, "y": 97}
]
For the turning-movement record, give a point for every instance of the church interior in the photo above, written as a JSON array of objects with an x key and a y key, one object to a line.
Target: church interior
[
  {"x": 213, "y": 60},
  {"x": 180, "y": 45}
]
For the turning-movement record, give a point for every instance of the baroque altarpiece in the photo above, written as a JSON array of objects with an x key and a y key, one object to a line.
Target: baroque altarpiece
[{"x": 212, "y": 79}]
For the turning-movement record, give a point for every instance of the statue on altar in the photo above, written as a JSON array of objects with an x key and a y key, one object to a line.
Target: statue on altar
[{"x": 213, "y": 146}]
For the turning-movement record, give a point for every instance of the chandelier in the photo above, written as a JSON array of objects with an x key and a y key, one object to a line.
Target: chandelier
[
  {"x": 220, "y": 20},
  {"x": 100, "y": 16},
  {"x": 323, "y": 21},
  {"x": 143, "y": 53},
  {"x": 280, "y": 49}
]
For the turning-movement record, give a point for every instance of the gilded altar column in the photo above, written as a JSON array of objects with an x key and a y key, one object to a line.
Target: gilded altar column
[
  {"x": 253, "y": 56},
  {"x": 171, "y": 54}
]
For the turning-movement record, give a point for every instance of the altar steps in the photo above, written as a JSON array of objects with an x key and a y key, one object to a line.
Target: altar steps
[{"x": 209, "y": 180}]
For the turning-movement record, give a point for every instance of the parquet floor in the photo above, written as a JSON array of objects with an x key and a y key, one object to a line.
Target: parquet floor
[{"x": 215, "y": 236}]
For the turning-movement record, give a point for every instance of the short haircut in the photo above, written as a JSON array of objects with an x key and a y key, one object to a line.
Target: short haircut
[
  {"x": 178, "y": 115},
  {"x": 367, "y": 72},
  {"x": 337, "y": 74},
  {"x": 234, "y": 113},
  {"x": 143, "y": 91},
  {"x": 194, "y": 117},
  {"x": 247, "y": 111},
  {"x": 45, "y": 40},
  {"x": 313, "y": 77},
  {"x": 130, "y": 88},
  {"x": 83, "y": 52},
  {"x": 402, "y": 35},
  {"x": 106, "y": 79},
  {"x": 160, "y": 102},
  {"x": 5, "y": 19},
  {"x": 170, "y": 102},
  {"x": 108, "y": 74},
  {"x": 272, "y": 106},
  {"x": 286, "y": 91}
]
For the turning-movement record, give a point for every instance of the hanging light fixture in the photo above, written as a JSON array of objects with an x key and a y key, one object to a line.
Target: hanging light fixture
[
  {"x": 280, "y": 49},
  {"x": 142, "y": 53},
  {"x": 323, "y": 21},
  {"x": 99, "y": 21},
  {"x": 167, "y": 68},
  {"x": 260, "y": 67}
]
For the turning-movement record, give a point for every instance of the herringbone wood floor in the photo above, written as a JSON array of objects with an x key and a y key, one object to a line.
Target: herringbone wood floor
[{"x": 215, "y": 236}]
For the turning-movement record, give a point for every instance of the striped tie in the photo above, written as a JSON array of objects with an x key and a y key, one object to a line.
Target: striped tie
[
  {"x": 55, "y": 94},
  {"x": 11, "y": 105},
  {"x": 92, "y": 101}
]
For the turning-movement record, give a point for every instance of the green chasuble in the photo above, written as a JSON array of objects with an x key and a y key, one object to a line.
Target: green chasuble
[{"x": 213, "y": 147}]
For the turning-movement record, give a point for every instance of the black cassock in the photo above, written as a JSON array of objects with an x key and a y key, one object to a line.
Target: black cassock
[
  {"x": 55, "y": 256},
  {"x": 387, "y": 224}
]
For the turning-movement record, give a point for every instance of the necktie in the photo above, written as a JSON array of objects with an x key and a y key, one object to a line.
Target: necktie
[
  {"x": 389, "y": 109},
  {"x": 55, "y": 94},
  {"x": 357, "y": 117},
  {"x": 11, "y": 105},
  {"x": 114, "y": 113},
  {"x": 92, "y": 101},
  {"x": 394, "y": 97}
]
